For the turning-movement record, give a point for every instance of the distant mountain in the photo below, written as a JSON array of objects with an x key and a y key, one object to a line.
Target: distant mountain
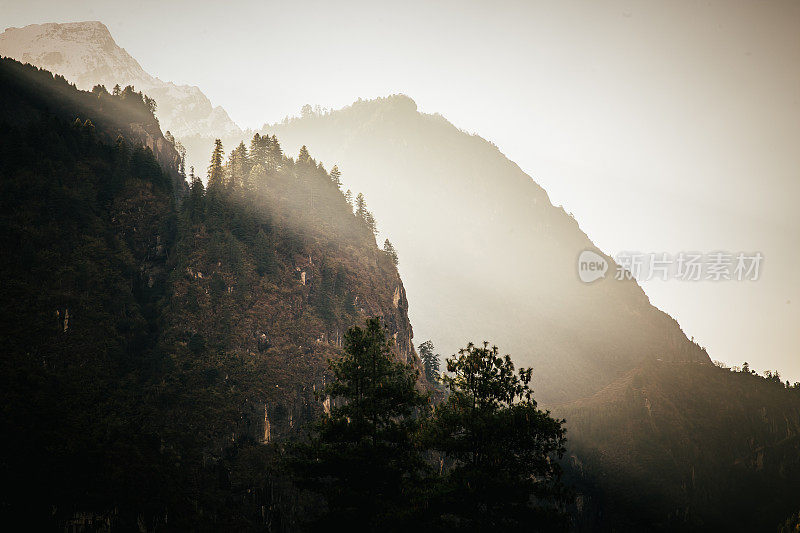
[
  {"x": 87, "y": 55},
  {"x": 484, "y": 253}
]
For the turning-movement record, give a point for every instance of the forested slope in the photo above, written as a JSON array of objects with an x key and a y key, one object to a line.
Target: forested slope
[
  {"x": 160, "y": 342},
  {"x": 683, "y": 446}
]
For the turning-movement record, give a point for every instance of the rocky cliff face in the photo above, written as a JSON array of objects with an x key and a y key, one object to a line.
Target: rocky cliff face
[
  {"x": 87, "y": 55},
  {"x": 276, "y": 292}
]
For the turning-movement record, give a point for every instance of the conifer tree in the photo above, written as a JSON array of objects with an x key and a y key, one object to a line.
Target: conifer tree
[
  {"x": 361, "y": 206},
  {"x": 276, "y": 147},
  {"x": 276, "y": 153},
  {"x": 504, "y": 450},
  {"x": 304, "y": 157},
  {"x": 364, "y": 214},
  {"x": 390, "y": 251},
  {"x": 336, "y": 176},
  {"x": 369, "y": 219},
  {"x": 195, "y": 195},
  {"x": 348, "y": 197},
  {"x": 216, "y": 173},
  {"x": 238, "y": 167},
  {"x": 259, "y": 150},
  {"x": 182, "y": 159},
  {"x": 362, "y": 459},
  {"x": 430, "y": 360}
]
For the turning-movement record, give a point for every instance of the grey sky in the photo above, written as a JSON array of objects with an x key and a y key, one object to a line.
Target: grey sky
[{"x": 663, "y": 126}]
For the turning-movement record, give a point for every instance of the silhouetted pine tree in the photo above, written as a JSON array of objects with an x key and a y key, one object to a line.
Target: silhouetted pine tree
[
  {"x": 303, "y": 157},
  {"x": 504, "y": 473},
  {"x": 430, "y": 360},
  {"x": 216, "y": 173},
  {"x": 390, "y": 251},
  {"x": 336, "y": 176},
  {"x": 362, "y": 459},
  {"x": 238, "y": 167}
]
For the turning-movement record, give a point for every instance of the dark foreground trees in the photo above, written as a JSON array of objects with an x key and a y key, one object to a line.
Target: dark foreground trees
[
  {"x": 362, "y": 459},
  {"x": 501, "y": 449},
  {"x": 484, "y": 461}
]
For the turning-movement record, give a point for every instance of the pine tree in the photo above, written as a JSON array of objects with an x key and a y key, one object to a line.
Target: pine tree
[
  {"x": 182, "y": 159},
  {"x": 216, "y": 173},
  {"x": 430, "y": 360},
  {"x": 276, "y": 147},
  {"x": 150, "y": 103},
  {"x": 196, "y": 193},
  {"x": 369, "y": 218},
  {"x": 362, "y": 459},
  {"x": 361, "y": 206},
  {"x": 503, "y": 449},
  {"x": 304, "y": 157},
  {"x": 390, "y": 251},
  {"x": 238, "y": 167},
  {"x": 336, "y": 176},
  {"x": 276, "y": 153},
  {"x": 348, "y": 197},
  {"x": 259, "y": 150}
]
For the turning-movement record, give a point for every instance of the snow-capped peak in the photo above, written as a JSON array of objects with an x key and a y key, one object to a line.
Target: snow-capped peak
[{"x": 86, "y": 54}]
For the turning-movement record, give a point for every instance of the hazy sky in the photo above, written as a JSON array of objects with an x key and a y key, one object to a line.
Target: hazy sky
[{"x": 663, "y": 126}]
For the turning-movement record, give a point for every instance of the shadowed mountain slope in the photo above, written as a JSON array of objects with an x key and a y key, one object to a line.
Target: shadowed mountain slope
[{"x": 685, "y": 447}]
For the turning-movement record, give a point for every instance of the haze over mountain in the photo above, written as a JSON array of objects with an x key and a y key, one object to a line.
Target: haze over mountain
[
  {"x": 495, "y": 226},
  {"x": 483, "y": 252},
  {"x": 87, "y": 55},
  {"x": 587, "y": 134}
]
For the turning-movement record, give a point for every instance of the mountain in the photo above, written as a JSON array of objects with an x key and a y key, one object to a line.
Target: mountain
[
  {"x": 87, "y": 55},
  {"x": 484, "y": 253},
  {"x": 685, "y": 447},
  {"x": 659, "y": 439},
  {"x": 157, "y": 335}
]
